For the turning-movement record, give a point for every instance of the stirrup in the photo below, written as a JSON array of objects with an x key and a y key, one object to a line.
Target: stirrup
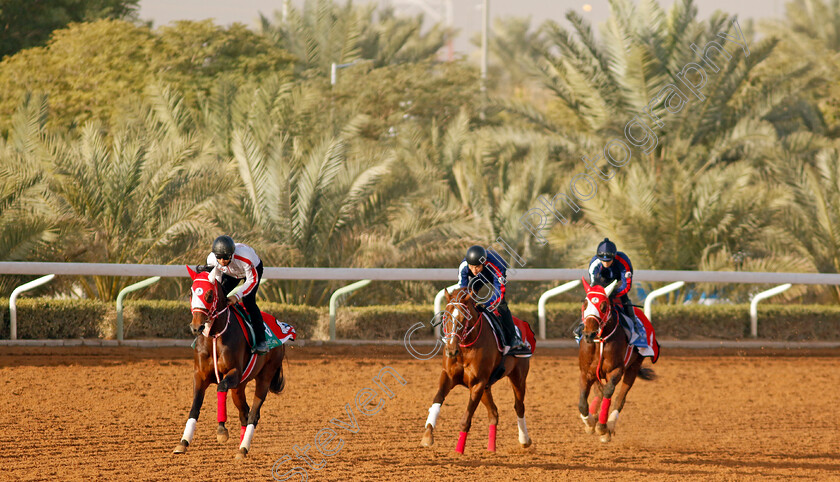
[{"x": 260, "y": 348}]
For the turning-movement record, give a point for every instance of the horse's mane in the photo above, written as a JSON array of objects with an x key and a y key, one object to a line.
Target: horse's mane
[{"x": 462, "y": 298}]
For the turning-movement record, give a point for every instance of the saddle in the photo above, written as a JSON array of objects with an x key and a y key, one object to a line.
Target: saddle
[
  {"x": 523, "y": 330},
  {"x": 276, "y": 332}
]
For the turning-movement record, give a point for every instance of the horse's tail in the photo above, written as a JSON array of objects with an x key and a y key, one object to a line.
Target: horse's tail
[
  {"x": 647, "y": 374},
  {"x": 278, "y": 381}
]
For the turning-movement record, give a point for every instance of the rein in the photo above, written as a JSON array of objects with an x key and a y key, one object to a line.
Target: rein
[
  {"x": 600, "y": 340},
  {"x": 209, "y": 326}
]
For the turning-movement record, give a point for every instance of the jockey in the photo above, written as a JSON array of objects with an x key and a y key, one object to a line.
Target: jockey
[
  {"x": 609, "y": 265},
  {"x": 488, "y": 267},
  {"x": 237, "y": 261}
]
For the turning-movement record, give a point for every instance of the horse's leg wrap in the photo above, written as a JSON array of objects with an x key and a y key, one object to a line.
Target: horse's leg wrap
[
  {"x": 189, "y": 431},
  {"x": 246, "y": 437},
  {"x": 462, "y": 441},
  {"x": 242, "y": 433},
  {"x": 605, "y": 411},
  {"x": 221, "y": 407},
  {"x": 593, "y": 405},
  {"x": 523, "y": 430},
  {"x": 434, "y": 411},
  {"x": 491, "y": 439}
]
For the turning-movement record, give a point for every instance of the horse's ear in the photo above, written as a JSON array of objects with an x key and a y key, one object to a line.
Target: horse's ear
[
  {"x": 586, "y": 286},
  {"x": 448, "y": 296},
  {"x": 608, "y": 289},
  {"x": 192, "y": 273}
]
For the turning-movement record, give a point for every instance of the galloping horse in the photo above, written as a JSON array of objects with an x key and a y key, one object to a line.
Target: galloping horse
[
  {"x": 473, "y": 360},
  {"x": 232, "y": 368},
  {"x": 605, "y": 355}
]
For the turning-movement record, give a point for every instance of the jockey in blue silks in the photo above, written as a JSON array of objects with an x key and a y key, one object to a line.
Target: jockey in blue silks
[{"x": 489, "y": 269}]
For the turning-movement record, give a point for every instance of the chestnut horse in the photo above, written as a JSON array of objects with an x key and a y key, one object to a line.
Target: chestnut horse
[
  {"x": 605, "y": 358},
  {"x": 474, "y": 361},
  {"x": 222, "y": 356}
]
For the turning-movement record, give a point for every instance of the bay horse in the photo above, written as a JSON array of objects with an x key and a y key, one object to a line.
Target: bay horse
[
  {"x": 605, "y": 357},
  {"x": 474, "y": 361},
  {"x": 222, "y": 355}
]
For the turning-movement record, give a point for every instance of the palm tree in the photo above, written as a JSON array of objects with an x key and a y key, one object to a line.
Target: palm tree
[
  {"x": 140, "y": 193},
  {"x": 813, "y": 216},
  {"x": 27, "y": 217},
  {"x": 326, "y": 32}
]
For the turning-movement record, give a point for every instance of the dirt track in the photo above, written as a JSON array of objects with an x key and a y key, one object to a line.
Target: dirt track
[{"x": 117, "y": 413}]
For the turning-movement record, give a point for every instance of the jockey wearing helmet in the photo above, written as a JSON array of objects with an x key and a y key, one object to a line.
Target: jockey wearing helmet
[
  {"x": 489, "y": 269},
  {"x": 235, "y": 262},
  {"x": 610, "y": 265}
]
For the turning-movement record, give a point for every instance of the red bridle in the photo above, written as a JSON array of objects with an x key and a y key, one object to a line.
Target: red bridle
[
  {"x": 453, "y": 313},
  {"x": 598, "y": 306},
  {"x": 202, "y": 285}
]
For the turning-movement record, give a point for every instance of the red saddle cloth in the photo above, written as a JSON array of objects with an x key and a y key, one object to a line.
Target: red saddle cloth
[
  {"x": 526, "y": 331},
  {"x": 649, "y": 331}
]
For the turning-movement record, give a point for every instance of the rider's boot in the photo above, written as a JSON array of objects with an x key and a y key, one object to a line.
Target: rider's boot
[
  {"x": 260, "y": 346},
  {"x": 578, "y": 331}
]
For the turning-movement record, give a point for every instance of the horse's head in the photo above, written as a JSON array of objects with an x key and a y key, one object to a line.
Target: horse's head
[
  {"x": 459, "y": 314},
  {"x": 596, "y": 309},
  {"x": 206, "y": 301}
]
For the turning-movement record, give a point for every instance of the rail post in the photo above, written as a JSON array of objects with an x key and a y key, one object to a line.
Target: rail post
[
  {"x": 120, "y": 297},
  {"x": 13, "y": 301},
  {"x": 657, "y": 293},
  {"x": 548, "y": 294},
  {"x": 754, "y": 305},
  {"x": 334, "y": 301}
]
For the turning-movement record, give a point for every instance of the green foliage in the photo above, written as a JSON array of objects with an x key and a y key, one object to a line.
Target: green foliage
[
  {"x": 171, "y": 319},
  {"x": 195, "y": 56},
  {"x": 326, "y": 32},
  {"x": 381, "y": 322},
  {"x": 81, "y": 82},
  {"x": 46, "y": 318},
  {"x": 104, "y": 83},
  {"x": 27, "y": 23},
  {"x": 140, "y": 196},
  {"x": 40, "y": 318}
]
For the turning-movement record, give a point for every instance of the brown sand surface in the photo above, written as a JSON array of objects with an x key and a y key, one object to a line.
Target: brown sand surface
[{"x": 85, "y": 413}]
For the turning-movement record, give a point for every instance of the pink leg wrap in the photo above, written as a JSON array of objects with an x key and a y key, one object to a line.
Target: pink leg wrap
[
  {"x": 462, "y": 440},
  {"x": 605, "y": 411},
  {"x": 221, "y": 407},
  {"x": 242, "y": 433},
  {"x": 593, "y": 405},
  {"x": 491, "y": 439}
]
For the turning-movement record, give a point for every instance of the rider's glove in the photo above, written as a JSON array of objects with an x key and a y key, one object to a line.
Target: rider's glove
[{"x": 199, "y": 268}]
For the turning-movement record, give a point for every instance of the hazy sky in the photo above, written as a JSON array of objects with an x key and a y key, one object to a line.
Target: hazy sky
[{"x": 467, "y": 13}]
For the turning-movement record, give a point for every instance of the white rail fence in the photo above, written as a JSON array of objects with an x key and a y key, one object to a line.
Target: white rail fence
[{"x": 419, "y": 274}]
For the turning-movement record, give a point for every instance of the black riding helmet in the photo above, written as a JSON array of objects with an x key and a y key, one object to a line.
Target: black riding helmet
[
  {"x": 223, "y": 247},
  {"x": 606, "y": 250},
  {"x": 476, "y": 256}
]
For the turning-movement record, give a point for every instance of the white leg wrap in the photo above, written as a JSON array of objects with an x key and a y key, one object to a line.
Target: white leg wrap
[
  {"x": 246, "y": 440},
  {"x": 523, "y": 430},
  {"x": 189, "y": 431},
  {"x": 434, "y": 411},
  {"x": 585, "y": 419},
  {"x": 612, "y": 420}
]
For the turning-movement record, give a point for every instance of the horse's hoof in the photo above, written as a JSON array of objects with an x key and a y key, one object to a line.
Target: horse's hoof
[
  {"x": 601, "y": 429},
  {"x": 222, "y": 435},
  {"x": 428, "y": 439},
  {"x": 180, "y": 449},
  {"x": 589, "y": 429},
  {"x": 605, "y": 437},
  {"x": 526, "y": 444},
  {"x": 242, "y": 454}
]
